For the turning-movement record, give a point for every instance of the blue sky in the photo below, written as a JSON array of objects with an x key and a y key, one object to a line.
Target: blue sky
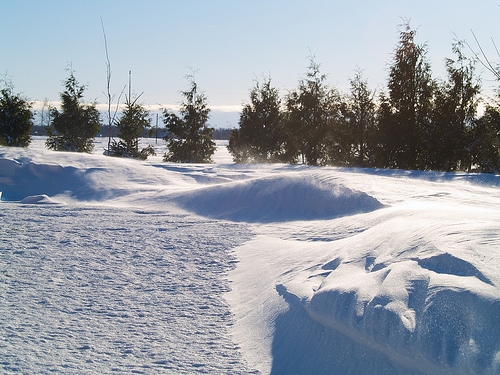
[{"x": 228, "y": 43}]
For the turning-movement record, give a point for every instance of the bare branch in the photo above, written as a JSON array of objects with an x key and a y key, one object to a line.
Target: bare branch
[
  {"x": 496, "y": 49},
  {"x": 135, "y": 100},
  {"x": 484, "y": 60}
]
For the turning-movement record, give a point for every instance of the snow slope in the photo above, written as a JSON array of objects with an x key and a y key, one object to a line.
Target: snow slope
[{"x": 120, "y": 265}]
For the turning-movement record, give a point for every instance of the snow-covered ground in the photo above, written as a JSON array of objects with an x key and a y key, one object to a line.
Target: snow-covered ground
[{"x": 118, "y": 266}]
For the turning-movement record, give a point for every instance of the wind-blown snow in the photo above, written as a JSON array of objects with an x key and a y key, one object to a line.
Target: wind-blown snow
[
  {"x": 282, "y": 198},
  {"x": 112, "y": 265}
]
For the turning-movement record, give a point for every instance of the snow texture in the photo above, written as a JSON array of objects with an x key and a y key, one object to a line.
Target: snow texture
[{"x": 112, "y": 265}]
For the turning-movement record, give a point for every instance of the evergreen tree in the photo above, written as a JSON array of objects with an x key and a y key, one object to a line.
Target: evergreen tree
[
  {"x": 360, "y": 119},
  {"x": 309, "y": 118},
  {"x": 76, "y": 125},
  {"x": 410, "y": 103},
  {"x": 386, "y": 136},
  {"x": 485, "y": 144},
  {"x": 258, "y": 138},
  {"x": 16, "y": 118},
  {"x": 133, "y": 123},
  {"x": 454, "y": 114},
  {"x": 190, "y": 138}
]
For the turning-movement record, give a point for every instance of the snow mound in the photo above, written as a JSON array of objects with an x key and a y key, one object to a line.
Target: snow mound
[
  {"x": 278, "y": 199},
  {"x": 93, "y": 181},
  {"x": 23, "y": 178},
  {"x": 38, "y": 199},
  {"x": 402, "y": 295}
]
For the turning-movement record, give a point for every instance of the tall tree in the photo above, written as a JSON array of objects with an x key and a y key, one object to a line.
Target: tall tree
[
  {"x": 454, "y": 114},
  {"x": 360, "y": 118},
  {"x": 258, "y": 138},
  {"x": 190, "y": 138},
  {"x": 410, "y": 89},
  {"x": 16, "y": 118},
  {"x": 109, "y": 97},
  {"x": 76, "y": 125},
  {"x": 133, "y": 123},
  {"x": 309, "y": 117}
]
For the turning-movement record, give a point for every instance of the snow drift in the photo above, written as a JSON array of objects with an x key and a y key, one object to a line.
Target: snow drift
[
  {"x": 282, "y": 198},
  {"x": 412, "y": 293},
  {"x": 20, "y": 179}
]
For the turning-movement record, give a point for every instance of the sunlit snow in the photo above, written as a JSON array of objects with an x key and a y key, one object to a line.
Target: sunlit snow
[{"x": 111, "y": 265}]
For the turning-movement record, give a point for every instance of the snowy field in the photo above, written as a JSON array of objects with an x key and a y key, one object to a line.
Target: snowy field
[{"x": 120, "y": 266}]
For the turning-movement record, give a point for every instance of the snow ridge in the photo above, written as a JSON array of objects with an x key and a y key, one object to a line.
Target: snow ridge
[
  {"x": 430, "y": 314},
  {"x": 274, "y": 199}
]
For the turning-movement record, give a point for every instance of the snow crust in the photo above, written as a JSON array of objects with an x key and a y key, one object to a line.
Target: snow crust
[{"x": 119, "y": 265}]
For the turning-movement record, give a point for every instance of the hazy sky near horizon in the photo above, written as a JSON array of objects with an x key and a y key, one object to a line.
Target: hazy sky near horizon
[{"x": 229, "y": 43}]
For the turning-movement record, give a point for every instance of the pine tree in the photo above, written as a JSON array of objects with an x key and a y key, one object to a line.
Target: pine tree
[
  {"x": 189, "y": 139},
  {"x": 454, "y": 114},
  {"x": 410, "y": 99},
  {"x": 360, "y": 119},
  {"x": 76, "y": 125},
  {"x": 258, "y": 138},
  {"x": 133, "y": 122},
  {"x": 16, "y": 118},
  {"x": 310, "y": 112}
]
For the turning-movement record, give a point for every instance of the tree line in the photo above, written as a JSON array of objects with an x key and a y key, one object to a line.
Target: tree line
[
  {"x": 417, "y": 122},
  {"x": 74, "y": 126}
]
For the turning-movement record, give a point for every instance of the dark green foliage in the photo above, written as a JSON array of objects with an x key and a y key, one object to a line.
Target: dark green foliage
[
  {"x": 120, "y": 149},
  {"x": 240, "y": 148},
  {"x": 132, "y": 124},
  {"x": 311, "y": 112},
  {"x": 258, "y": 139},
  {"x": 409, "y": 103},
  {"x": 359, "y": 122},
  {"x": 190, "y": 139},
  {"x": 485, "y": 141},
  {"x": 453, "y": 116},
  {"x": 76, "y": 125},
  {"x": 418, "y": 124},
  {"x": 16, "y": 119}
]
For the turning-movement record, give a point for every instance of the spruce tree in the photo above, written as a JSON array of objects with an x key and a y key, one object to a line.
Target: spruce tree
[
  {"x": 360, "y": 118},
  {"x": 258, "y": 138},
  {"x": 16, "y": 118},
  {"x": 133, "y": 122},
  {"x": 189, "y": 139},
  {"x": 455, "y": 110},
  {"x": 410, "y": 99},
  {"x": 76, "y": 125},
  {"x": 311, "y": 109}
]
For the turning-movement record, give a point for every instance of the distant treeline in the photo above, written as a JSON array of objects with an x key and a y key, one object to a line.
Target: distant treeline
[
  {"x": 218, "y": 134},
  {"x": 418, "y": 123}
]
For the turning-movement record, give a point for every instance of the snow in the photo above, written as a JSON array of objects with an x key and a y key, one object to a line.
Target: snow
[{"x": 114, "y": 265}]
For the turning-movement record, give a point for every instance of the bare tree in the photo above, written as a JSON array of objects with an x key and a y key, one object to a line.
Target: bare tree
[
  {"x": 111, "y": 118},
  {"x": 45, "y": 114}
]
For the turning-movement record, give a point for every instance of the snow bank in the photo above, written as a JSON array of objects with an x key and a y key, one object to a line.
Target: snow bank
[
  {"x": 38, "y": 199},
  {"x": 416, "y": 292},
  {"x": 20, "y": 179},
  {"x": 82, "y": 177},
  {"x": 281, "y": 198}
]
